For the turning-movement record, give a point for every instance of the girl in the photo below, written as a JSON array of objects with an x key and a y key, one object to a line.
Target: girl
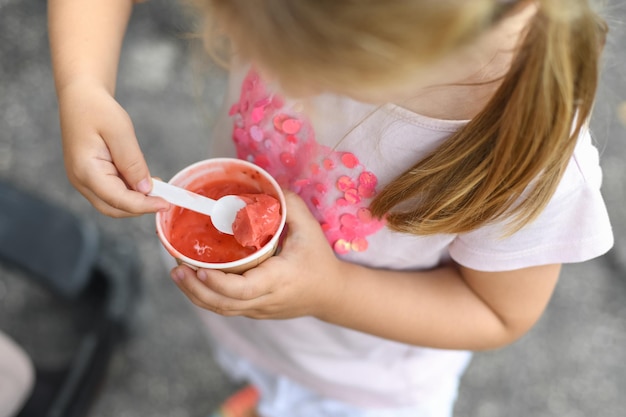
[{"x": 440, "y": 170}]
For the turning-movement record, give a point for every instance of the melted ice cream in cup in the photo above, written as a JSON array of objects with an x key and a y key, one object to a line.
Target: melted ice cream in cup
[{"x": 192, "y": 239}]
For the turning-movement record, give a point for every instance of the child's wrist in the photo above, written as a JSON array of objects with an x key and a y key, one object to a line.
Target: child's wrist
[
  {"x": 338, "y": 293},
  {"x": 81, "y": 83}
]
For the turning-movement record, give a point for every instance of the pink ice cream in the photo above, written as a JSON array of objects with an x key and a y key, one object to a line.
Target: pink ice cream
[{"x": 258, "y": 221}]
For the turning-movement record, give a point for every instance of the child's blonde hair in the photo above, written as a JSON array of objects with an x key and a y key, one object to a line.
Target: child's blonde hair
[{"x": 509, "y": 159}]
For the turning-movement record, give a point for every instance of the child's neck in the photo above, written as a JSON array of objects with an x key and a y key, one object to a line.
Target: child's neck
[{"x": 473, "y": 75}]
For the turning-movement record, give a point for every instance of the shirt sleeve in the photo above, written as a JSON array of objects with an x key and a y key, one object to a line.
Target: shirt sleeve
[{"x": 574, "y": 226}]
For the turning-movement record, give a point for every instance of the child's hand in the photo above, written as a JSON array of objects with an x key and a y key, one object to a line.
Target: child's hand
[
  {"x": 102, "y": 156},
  {"x": 300, "y": 281}
]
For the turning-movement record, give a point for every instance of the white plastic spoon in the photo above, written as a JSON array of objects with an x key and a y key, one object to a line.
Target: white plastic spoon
[{"x": 222, "y": 211}]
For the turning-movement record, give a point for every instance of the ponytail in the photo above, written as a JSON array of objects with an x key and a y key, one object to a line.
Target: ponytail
[{"x": 509, "y": 159}]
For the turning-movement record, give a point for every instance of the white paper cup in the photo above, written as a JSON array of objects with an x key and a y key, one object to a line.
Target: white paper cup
[{"x": 219, "y": 170}]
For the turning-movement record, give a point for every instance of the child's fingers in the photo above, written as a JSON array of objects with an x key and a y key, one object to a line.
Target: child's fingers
[
  {"x": 246, "y": 287},
  {"x": 204, "y": 297},
  {"x": 125, "y": 203},
  {"x": 101, "y": 206},
  {"x": 110, "y": 195}
]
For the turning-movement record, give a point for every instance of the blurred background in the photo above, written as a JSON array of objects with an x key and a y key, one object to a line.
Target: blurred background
[{"x": 573, "y": 363}]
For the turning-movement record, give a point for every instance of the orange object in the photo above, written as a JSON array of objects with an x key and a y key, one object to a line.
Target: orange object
[{"x": 243, "y": 403}]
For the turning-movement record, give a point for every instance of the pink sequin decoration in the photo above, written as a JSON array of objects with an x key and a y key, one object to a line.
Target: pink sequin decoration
[
  {"x": 328, "y": 163},
  {"x": 368, "y": 179},
  {"x": 320, "y": 188},
  {"x": 344, "y": 183},
  {"x": 342, "y": 246},
  {"x": 366, "y": 192},
  {"x": 256, "y": 133},
  {"x": 349, "y": 220},
  {"x": 364, "y": 214},
  {"x": 257, "y": 114},
  {"x": 291, "y": 126},
  {"x": 349, "y": 160},
  {"x": 336, "y": 187},
  {"x": 278, "y": 122},
  {"x": 288, "y": 159},
  {"x": 352, "y": 196},
  {"x": 359, "y": 244}
]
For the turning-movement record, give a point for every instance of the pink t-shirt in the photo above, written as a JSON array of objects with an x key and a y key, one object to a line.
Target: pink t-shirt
[{"x": 337, "y": 153}]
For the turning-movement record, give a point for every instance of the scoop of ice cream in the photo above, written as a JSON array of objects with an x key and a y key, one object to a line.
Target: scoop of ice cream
[{"x": 258, "y": 221}]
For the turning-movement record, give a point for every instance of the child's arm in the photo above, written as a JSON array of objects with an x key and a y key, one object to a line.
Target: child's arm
[
  {"x": 102, "y": 155},
  {"x": 448, "y": 307}
]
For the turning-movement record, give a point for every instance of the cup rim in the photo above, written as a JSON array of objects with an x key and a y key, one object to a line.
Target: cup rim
[{"x": 269, "y": 246}]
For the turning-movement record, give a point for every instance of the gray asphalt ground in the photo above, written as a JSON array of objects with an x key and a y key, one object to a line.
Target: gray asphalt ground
[{"x": 573, "y": 363}]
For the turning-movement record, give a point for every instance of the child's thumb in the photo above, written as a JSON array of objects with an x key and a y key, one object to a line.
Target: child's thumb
[
  {"x": 298, "y": 215},
  {"x": 131, "y": 164}
]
